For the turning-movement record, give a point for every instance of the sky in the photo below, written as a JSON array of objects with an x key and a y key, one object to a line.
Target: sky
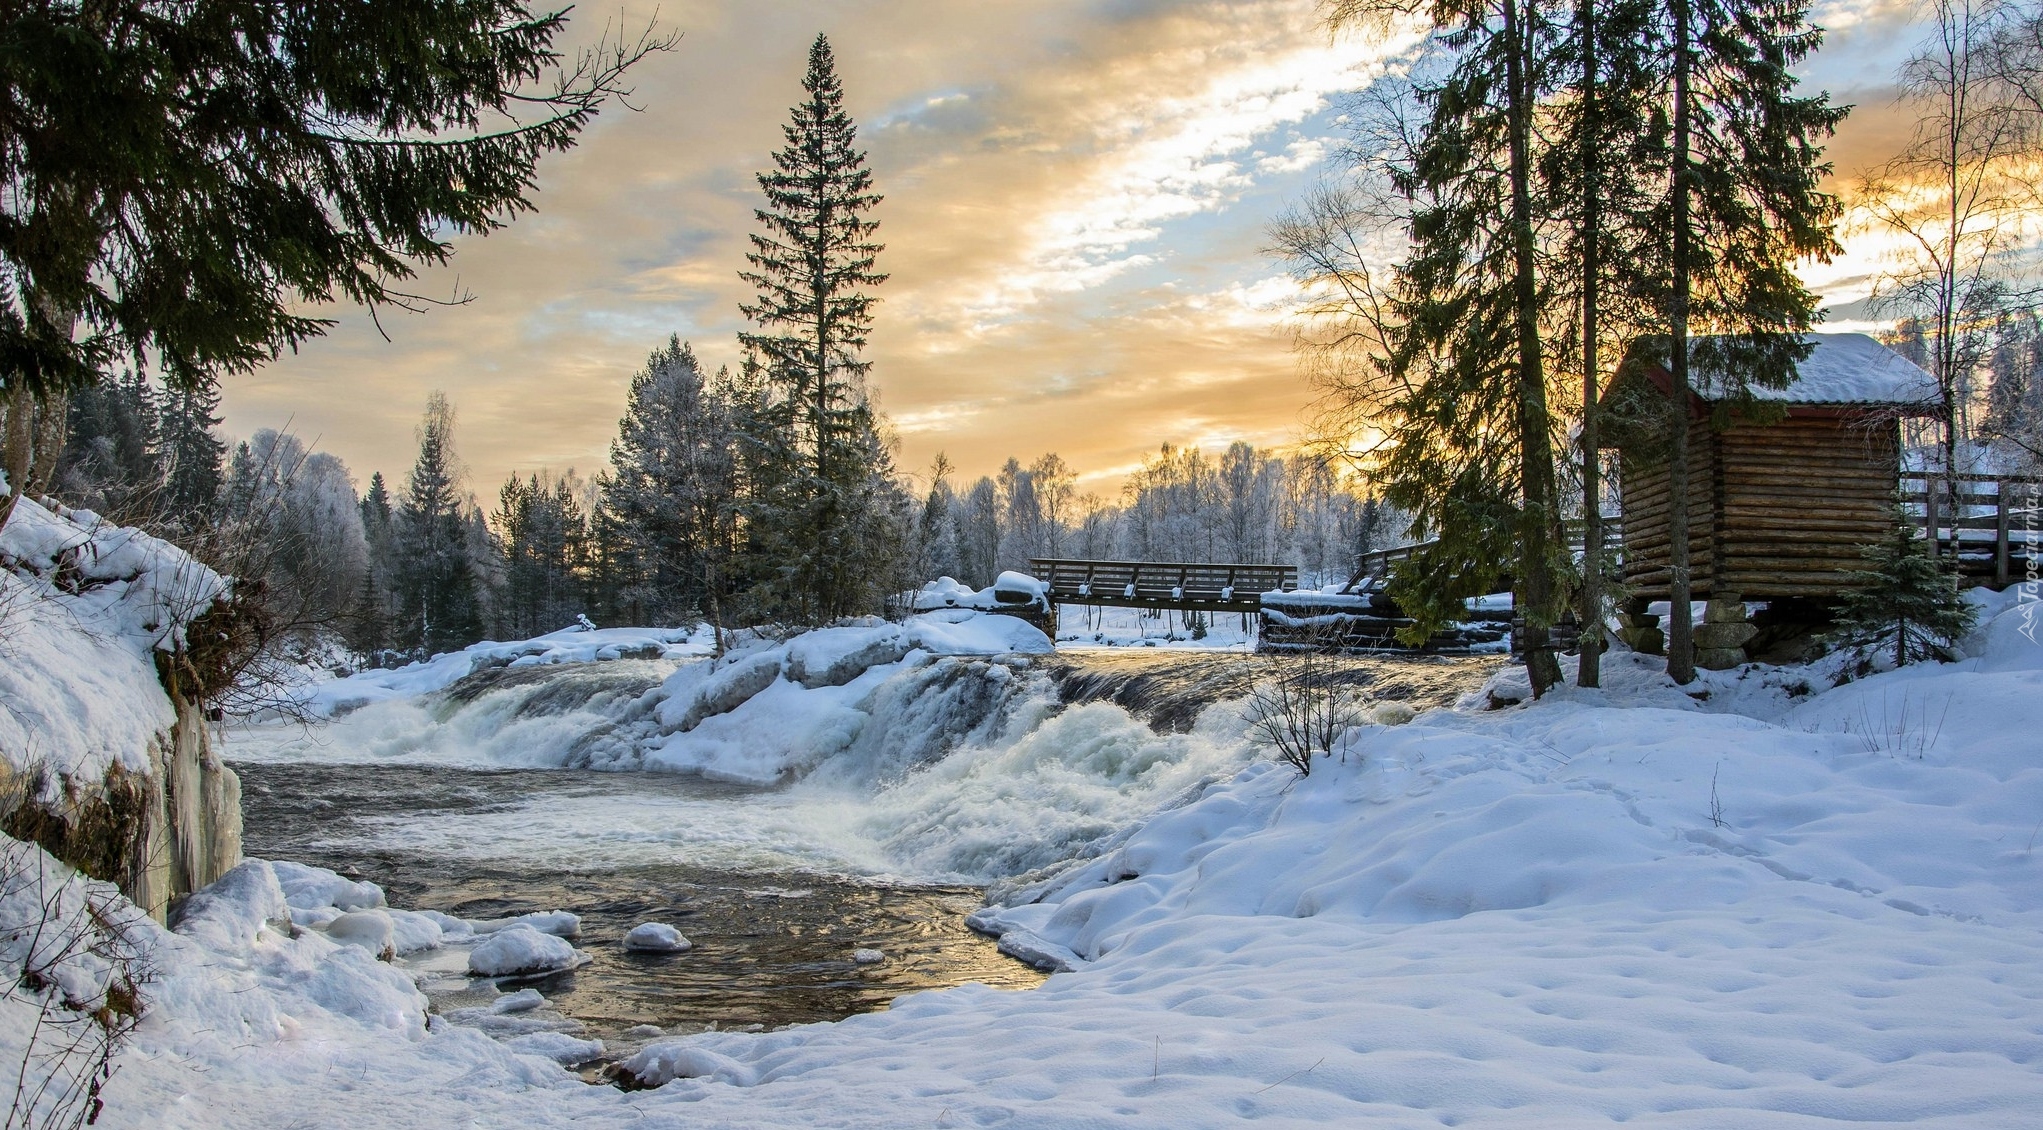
[{"x": 1077, "y": 200}]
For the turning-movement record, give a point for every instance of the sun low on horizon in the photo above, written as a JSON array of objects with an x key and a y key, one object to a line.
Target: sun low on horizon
[{"x": 1077, "y": 200}]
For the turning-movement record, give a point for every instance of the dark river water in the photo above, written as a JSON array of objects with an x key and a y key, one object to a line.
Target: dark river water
[{"x": 769, "y": 949}]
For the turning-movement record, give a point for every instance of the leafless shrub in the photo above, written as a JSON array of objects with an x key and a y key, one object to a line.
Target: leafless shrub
[
  {"x": 1301, "y": 707},
  {"x": 69, "y": 951}
]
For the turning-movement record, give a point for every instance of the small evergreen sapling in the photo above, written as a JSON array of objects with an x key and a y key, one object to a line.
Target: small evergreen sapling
[{"x": 1904, "y": 600}]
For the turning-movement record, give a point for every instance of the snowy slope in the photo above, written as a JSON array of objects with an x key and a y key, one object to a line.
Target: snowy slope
[
  {"x": 1623, "y": 905},
  {"x": 84, "y": 606}
]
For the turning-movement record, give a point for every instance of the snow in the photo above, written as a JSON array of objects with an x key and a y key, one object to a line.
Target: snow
[
  {"x": 577, "y": 644},
  {"x": 519, "y": 949},
  {"x": 84, "y": 607},
  {"x": 1847, "y": 369},
  {"x": 1757, "y": 901},
  {"x": 656, "y": 937},
  {"x": 524, "y": 1000}
]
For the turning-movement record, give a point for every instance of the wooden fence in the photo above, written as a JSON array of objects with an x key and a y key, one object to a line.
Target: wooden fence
[{"x": 1992, "y": 524}]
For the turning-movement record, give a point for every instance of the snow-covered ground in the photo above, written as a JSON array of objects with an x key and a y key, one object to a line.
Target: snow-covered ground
[{"x": 1775, "y": 906}]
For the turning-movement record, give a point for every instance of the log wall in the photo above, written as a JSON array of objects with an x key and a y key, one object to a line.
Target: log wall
[{"x": 1776, "y": 510}]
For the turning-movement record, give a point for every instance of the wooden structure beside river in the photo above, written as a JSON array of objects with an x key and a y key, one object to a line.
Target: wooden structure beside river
[{"x": 1776, "y": 509}]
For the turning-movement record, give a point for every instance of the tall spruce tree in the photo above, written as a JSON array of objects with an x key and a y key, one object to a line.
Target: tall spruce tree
[
  {"x": 822, "y": 539},
  {"x": 1471, "y": 452},
  {"x": 1601, "y": 181},
  {"x": 1743, "y": 206},
  {"x": 674, "y": 494}
]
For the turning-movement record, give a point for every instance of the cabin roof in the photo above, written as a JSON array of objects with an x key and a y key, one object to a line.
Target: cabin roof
[{"x": 1845, "y": 369}]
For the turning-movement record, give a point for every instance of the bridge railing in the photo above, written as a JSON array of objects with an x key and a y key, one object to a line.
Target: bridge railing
[
  {"x": 1378, "y": 563},
  {"x": 1199, "y": 587}
]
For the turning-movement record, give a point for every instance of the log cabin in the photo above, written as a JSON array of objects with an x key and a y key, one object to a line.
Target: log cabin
[{"x": 1777, "y": 509}]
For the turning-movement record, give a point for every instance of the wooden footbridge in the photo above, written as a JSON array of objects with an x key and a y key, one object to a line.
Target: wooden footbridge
[{"x": 1183, "y": 586}]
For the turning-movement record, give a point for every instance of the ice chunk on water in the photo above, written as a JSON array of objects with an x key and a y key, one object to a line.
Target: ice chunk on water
[
  {"x": 656, "y": 937},
  {"x": 524, "y": 1000}
]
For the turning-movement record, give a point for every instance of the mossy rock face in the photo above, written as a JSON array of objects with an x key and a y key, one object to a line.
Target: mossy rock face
[{"x": 95, "y": 831}]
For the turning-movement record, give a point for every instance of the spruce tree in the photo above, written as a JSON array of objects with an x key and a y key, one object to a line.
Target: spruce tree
[
  {"x": 813, "y": 519},
  {"x": 674, "y": 494},
  {"x": 435, "y": 572},
  {"x": 1905, "y": 600},
  {"x": 111, "y": 462},
  {"x": 1471, "y": 448},
  {"x": 1744, "y": 204},
  {"x": 192, "y": 456}
]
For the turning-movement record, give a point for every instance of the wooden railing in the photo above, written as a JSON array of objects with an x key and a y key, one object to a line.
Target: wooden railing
[
  {"x": 1988, "y": 522},
  {"x": 1379, "y": 563},
  {"x": 1152, "y": 584}
]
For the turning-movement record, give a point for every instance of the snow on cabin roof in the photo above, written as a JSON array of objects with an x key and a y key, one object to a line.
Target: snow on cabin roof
[{"x": 1847, "y": 369}]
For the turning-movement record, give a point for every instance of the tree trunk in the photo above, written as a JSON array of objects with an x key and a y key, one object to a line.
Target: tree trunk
[
  {"x": 1680, "y": 627},
  {"x": 1589, "y": 645},
  {"x": 1536, "y": 459}
]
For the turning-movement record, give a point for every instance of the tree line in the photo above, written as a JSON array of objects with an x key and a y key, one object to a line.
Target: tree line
[{"x": 767, "y": 493}]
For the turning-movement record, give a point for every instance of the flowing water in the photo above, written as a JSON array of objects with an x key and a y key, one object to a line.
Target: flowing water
[{"x": 962, "y": 773}]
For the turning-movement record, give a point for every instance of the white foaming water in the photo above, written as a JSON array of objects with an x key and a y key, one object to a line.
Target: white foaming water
[{"x": 957, "y": 772}]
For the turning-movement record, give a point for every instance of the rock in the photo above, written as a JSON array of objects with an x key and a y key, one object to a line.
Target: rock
[
  {"x": 521, "y": 949},
  {"x": 655, "y": 937},
  {"x": 1645, "y": 641},
  {"x": 730, "y": 688},
  {"x": 1724, "y": 637},
  {"x": 1719, "y": 658},
  {"x": 832, "y": 657},
  {"x": 868, "y": 957},
  {"x": 365, "y": 929},
  {"x": 1723, "y": 612}
]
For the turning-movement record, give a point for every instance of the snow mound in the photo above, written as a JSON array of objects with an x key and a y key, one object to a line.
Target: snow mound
[
  {"x": 655, "y": 937},
  {"x": 519, "y": 950},
  {"x": 556, "y": 1046}
]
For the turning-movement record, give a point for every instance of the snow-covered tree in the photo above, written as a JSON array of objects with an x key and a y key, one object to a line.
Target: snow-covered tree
[{"x": 434, "y": 571}]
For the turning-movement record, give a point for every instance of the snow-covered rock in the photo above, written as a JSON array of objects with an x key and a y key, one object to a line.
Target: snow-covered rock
[
  {"x": 832, "y": 657},
  {"x": 519, "y": 950},
  {"x": 656, "y": 937}
]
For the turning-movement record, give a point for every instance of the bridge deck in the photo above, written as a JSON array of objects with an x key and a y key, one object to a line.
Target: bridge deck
[{"x": 1152, "y": 584}]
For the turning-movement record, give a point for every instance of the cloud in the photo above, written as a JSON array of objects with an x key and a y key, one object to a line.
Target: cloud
[{"x": 1076, "y": 196}]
